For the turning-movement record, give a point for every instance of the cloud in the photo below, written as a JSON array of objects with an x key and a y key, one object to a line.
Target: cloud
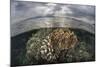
[
  {"x": 83, "y": 12},
  {"x": 22, "y": 10}
]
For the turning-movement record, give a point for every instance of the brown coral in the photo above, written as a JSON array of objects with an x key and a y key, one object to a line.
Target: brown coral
[{"x": 63, "y": 38}]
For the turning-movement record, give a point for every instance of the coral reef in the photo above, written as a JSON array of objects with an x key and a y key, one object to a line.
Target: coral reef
[{"x": 50, "y": 46}]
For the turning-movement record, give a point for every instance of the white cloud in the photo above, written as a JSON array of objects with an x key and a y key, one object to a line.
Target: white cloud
[{"x": 63, "y": 11}]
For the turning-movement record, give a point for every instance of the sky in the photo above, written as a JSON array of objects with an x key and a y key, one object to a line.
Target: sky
[
  {"x": 24, "y": 10},
  {"x": 20, "y": 10}
]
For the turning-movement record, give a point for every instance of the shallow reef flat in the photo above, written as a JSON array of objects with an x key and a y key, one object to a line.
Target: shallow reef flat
[{"x": 52, "y": 45}]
